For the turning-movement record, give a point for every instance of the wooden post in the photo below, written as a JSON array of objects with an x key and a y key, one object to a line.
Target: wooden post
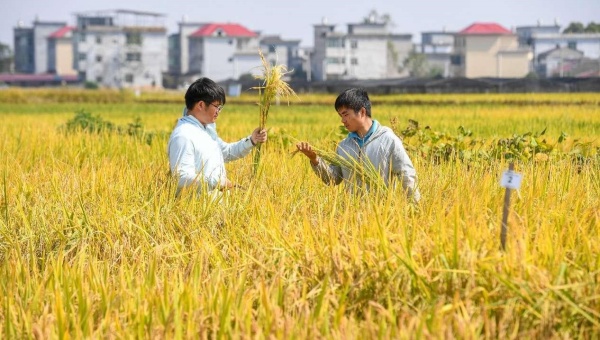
[{"x": 511, "y": 167}]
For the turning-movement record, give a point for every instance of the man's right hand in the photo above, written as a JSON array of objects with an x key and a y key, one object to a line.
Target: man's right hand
[{"x": 307, "y": 150}]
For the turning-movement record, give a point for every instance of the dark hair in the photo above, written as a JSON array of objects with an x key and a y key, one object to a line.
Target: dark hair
[
  {"x": 206, "y": 90},
  {"x": 354, "y": 99}
]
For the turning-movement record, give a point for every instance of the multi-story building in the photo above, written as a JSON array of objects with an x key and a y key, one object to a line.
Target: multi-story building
[
  {"x": 558, "y": 62},
  {"x": 60, "y": 51},
  {"x": 121, "y": 48},
  {"x": 31, "y": 46},
  {"x": 366, "y": 51},
  {"x": 223, "y": 51},
  {"x": 489, "y": 50},
  {"x": 588, "y": 43},
  {"x": 179, "y": 51},
  {"x": 558, "y": 54},
  {"x": 525, "y": 33},
  {"x": 280, "y": 51},
  {"x": 438, "y": 48}
]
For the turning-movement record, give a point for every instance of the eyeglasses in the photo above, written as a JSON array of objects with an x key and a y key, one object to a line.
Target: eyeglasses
[{"x": 219, "y": 107}]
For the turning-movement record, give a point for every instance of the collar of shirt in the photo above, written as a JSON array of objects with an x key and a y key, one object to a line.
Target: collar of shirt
[
  {"x": 211, "y": 129},
  {"x": 362, "y": 141}
]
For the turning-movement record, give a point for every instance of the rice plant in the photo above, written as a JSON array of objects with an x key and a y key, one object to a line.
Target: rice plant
[
  {"x": 93, "y": 243},
  {"x": 272, "y": 88}
]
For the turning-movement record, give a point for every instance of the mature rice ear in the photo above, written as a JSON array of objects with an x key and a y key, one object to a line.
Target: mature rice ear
[
  {"x": 272, "y": 87},
  {"x": 362, "y": 169}
]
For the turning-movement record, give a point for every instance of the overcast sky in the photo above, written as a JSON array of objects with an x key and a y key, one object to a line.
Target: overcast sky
[{"x": 295, "y": 19}]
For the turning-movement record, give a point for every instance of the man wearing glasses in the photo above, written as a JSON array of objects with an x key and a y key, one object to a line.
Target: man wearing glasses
[{"x": 197, "y": 155}]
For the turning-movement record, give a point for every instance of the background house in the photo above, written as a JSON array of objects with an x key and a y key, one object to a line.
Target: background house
[
  {"x": 438, "y": 48},
  {"x": 558, "y": 62},
  {"x": 489, "y": 50},
  {"x": 367, "y": 50},
  {"x": 121, "y": 48},
  {"x": 223, "y": 51},
  {"x": 31, "y": 46},
  {"x": 287, "y": 52},
  {"x": 60, "y": 51}
]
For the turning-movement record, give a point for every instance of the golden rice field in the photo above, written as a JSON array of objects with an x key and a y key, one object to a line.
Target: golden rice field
[{"x": 93, "y": 243}]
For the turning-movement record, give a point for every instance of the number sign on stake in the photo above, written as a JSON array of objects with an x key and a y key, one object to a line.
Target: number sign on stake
[{"x": 510, "y": 180}]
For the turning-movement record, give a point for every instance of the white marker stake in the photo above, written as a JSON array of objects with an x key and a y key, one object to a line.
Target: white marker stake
[{"x": 510, "y": 180}]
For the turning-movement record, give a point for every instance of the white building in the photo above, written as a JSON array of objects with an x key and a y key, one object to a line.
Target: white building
[
  {"x": 366, "y": 51},
  {"x": 282, "y": 52},
  {"x": 223, "y": 51},
  {"x": 121, "y": 48},
  {"x": 31, "y": 46},
  {"x": 438, "y": 48},
  {"x": 588, "y": 43}
]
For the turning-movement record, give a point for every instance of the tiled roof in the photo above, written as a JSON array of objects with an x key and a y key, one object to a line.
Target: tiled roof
[
  {"x": 485, "y": 28},
  {"x": 228, "y": 30},
  {"x": 62, "y": 32}
]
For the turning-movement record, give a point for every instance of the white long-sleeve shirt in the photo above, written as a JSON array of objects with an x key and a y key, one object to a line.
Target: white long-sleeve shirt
[{"x": 197, "y": 155}]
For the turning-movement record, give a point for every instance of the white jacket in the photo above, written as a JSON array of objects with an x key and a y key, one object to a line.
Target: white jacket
[
  {"x": 384, "y": 150},
  {"x": 197, "y": 155}
]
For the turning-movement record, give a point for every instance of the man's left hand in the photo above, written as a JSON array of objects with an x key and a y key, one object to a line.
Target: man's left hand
[{"x": 258, "y": 136}]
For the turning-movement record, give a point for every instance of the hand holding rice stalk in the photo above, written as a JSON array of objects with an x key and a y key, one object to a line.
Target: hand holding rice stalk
[
  {"x": 273, "y": 87},
  {"x": 363, "y": 171}
]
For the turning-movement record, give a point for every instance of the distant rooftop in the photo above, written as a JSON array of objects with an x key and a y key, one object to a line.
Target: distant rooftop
[
  {"x": 225, "y": 30},
  {"x": 485, "y": 28},
  {"x": 120, "y": 17},
  {"x": 119, "y": 11},
  {"x": 62, "y": 32}
]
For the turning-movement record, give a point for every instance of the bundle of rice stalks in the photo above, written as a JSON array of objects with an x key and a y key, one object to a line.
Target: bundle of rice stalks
[
  {"x": 273, "y": 88},
  {"x": 364, "y": 175}
]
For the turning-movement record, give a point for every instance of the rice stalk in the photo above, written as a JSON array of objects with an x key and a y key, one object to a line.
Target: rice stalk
[
  {"x": 363, "y": 171},
  {"x": 272, "y": 88}
]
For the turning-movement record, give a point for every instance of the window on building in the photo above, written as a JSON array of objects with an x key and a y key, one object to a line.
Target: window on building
[
  {"x": 354, "y": 61},
  {"x": 456, "y": 59},
  {"x": 335, "y": 43},
  {"x": 334, "y": 60},
  {"x": 129, "y": 78},
  {"x": 133, "y": 38},
  {"x": 99, "y": 58},
  {"x": 134, "y": 56},
  {"x": 271, "y": 49},
  {"x": 572, "y": 45},
  {"x": 354, "y": 44},
  {"x": 82, "y": 37},
  {"x": 98, "y": 40},
  {"x": 82, "y": 57},
  {"x": 98, "y": 79}
]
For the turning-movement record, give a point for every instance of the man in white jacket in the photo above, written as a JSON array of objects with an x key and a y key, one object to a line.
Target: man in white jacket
[
  {"x": 368, "y": 141},
  {"x": 197, "y": 155}
]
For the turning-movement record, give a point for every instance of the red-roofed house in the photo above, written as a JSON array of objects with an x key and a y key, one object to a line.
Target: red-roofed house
[
  {"x": 60, "y": 51},
  {"x": 223, "y": 51},
  {"x": 489, "y": 50}
]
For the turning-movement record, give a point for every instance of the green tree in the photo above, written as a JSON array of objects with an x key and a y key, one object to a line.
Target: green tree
[
  {"x": 574, "y": 27},
  {"x": 592, "y": 27},
  {"x": 6, "y": 58},
  {"x": 374, "y": 17},
  {"x": 416, "y": 64}
]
